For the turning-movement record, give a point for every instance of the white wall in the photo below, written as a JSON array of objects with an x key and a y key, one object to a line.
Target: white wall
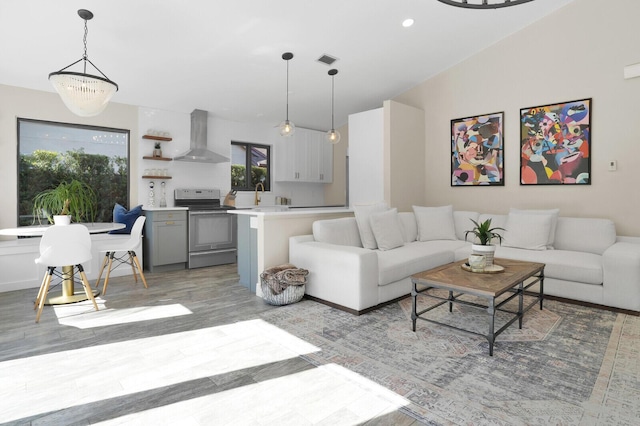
[
  {"x": 335, "y": 193},
  {"x": 366, "y": 157},
  {"x": 220, "y": 133},
  {"x": 577, "y": 52},
  {"x": 25, "y": 103},
  {"x": 18, "y": 102},
  {"x": 183, "y": 174}
]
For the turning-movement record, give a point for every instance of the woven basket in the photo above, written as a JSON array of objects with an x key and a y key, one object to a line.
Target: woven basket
[{"x": 291, "y": 294}]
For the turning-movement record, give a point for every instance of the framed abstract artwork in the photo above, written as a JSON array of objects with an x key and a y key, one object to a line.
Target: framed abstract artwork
[
  {"x": 477, "y": 150},
  {"x": 555, "y": 144}
]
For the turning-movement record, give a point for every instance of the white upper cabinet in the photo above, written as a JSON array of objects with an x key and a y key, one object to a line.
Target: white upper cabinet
[{"x": 304, "y": 157}]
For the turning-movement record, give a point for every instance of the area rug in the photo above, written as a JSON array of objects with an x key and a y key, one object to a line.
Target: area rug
[{"x": 568, "y": 365}]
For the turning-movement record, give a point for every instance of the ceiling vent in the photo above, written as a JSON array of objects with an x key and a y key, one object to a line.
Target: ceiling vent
[{"x": 326, "y": 59}]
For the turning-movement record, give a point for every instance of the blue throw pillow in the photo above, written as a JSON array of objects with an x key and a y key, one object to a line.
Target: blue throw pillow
[{"x": 128, "y": 217}]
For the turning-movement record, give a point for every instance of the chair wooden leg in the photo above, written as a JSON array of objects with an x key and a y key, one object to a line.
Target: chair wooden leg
[
  {"x": 43, "y": 296},
  {"x": 137, "y": 262},
  {"x": 37, "y": 301},
  {"x": 133, "y": 267},
  {"x": 106, "y": 278},
  {"x": 87, "y": 286},
  {"x": 104, "y": 262}
]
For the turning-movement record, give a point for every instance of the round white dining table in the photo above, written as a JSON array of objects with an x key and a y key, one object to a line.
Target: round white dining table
[
  {"x": 69, "y": 295},
  {"x": 38, "y": 230}
]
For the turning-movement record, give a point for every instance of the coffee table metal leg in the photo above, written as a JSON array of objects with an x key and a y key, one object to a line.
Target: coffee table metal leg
[
  {"x": 414, "y": 296},
  {"x": 520, "y": 303},
  {"x": 492, "y": 316},
  {"x": 450, "y": 298},
  {"x": 541, "y": 287}
]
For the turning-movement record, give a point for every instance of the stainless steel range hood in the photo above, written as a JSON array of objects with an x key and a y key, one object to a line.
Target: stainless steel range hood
[{"x": 198, "y": 151}]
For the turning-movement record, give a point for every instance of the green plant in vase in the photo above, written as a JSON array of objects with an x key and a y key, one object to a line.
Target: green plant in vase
[
  {"x": 75, "y": 199},
  {"x": 484, "y": 234}
]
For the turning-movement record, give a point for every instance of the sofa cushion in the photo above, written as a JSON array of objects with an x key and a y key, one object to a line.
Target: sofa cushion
[
  {"x": 527, "y": 231},
  {"x": 584, "y": 234},
  {"x": 342, "y": 231},
  {"x": 409, "y": 226},
  {"x": 394, "y": 265},
  {"x": 386, "y": 229},
  {"x": 565, "y": 265},
  {"x": 553, "y": 213},
  {"x": 462, "y": 222},
  {"x": 435, "y": 223},
  {"x": 362, "y": 213}
]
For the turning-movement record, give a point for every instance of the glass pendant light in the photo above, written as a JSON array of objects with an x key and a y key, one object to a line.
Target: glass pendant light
[
  {"x": 287, "y": 128},
  {"x": 333, "y": 135},
  {"x": 84, "y": 94}
]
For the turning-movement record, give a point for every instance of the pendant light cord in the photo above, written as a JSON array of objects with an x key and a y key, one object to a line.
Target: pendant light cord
[
  {"x": 287, "y": 90},
  {"x": 332, "y": 101}
]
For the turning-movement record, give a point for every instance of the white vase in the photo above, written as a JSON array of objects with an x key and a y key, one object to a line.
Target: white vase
[
  {"x": 61, "y": 219},
  {"x": 487, "y": 251}
]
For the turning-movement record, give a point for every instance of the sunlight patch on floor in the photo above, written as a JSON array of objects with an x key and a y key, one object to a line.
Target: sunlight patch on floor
[
  {"x": 51, "y": 382},
  {"x": 83, "y": 315},
  {"x": 328, "y": 394}
]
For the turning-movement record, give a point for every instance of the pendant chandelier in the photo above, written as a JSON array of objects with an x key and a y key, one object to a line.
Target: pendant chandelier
[
  {"x": 483, "y": 4},
  {"x": 84, "y": 94},
  {"x": 333, "y": 135},
  {"x": 287, "y": 128}
]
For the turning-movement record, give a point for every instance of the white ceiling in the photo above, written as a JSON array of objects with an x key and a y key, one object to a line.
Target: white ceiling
[{"x": 224, "y": 56}]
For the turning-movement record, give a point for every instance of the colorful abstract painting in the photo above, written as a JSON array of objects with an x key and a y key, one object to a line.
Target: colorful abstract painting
[
  {"x": 477, "y": 150},
  {"x": 555, "y": 144}
]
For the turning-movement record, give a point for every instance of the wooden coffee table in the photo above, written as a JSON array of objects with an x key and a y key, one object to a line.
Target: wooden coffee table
[{"x": 457, "y": 281}]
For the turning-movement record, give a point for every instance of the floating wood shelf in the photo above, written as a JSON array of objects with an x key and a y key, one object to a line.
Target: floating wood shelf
[
  {"x": 157, "y": 158},
  {"x": 156, "y": 138},
  {"x": 156, "y": 177}
]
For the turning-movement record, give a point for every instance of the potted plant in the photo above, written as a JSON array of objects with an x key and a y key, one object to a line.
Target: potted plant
[
  {"x": 73, "y": 199},
  {"x": 157, "y": 151},
  {"x": 484, "y": 233}
]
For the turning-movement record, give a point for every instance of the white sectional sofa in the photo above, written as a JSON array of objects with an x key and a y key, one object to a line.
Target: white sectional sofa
[{"x": 584, "y": 258}]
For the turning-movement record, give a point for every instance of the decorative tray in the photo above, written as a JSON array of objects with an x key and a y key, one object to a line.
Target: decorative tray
[{"x": 492, "y": 269}]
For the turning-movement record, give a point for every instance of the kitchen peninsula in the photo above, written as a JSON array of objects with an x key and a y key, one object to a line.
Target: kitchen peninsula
[{"x": 263, "y": 236}]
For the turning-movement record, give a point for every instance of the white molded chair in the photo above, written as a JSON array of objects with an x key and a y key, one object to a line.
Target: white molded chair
[
  {"x": 111, "y": 247},
  {"x": 64, "y": 246}
]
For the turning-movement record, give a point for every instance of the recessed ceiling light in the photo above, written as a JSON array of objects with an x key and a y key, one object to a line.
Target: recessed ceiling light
[{"x": 407, "y": 22}]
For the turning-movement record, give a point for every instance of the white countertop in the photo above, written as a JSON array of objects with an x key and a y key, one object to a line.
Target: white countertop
[
  {"x": 275, "y": 211},
  {"x": 161, "y": 209}
]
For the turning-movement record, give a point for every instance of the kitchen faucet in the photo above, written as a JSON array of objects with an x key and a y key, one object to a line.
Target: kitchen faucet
[{"x": 257, "y": 199}]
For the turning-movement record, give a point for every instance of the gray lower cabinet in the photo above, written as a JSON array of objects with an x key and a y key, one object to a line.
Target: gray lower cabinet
[
  {"x": 165, "y": 242},
  {"x": 247, "y": 253}
]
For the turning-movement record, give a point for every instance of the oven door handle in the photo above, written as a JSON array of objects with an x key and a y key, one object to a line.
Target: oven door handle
[{"x": 203, "y": 212}]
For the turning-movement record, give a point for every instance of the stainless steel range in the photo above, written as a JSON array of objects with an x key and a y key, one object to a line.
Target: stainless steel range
[{"x": 212, "y": 231}]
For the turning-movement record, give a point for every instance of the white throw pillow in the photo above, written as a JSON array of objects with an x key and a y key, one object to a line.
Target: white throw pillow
[
  {"x": 435, "y": 223},
  {"x": 362, "y": 213},
  {"x": 554, "y": 221},
  {"x": 386, "y": 229},
  {"x": 527, "y": 231}
]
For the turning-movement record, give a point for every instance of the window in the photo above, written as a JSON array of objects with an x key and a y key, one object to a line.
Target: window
[
  {"x": 250, "y": 165},
  {"x": 49, "y": 153}
]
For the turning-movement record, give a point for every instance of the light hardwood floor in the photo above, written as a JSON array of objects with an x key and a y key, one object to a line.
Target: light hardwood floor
[{"x": 190, "y": 349}]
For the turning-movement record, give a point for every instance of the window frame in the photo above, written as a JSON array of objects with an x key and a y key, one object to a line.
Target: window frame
[
  {"x": 247, "y": 163},
  {"x": 104, "y": 129}
]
